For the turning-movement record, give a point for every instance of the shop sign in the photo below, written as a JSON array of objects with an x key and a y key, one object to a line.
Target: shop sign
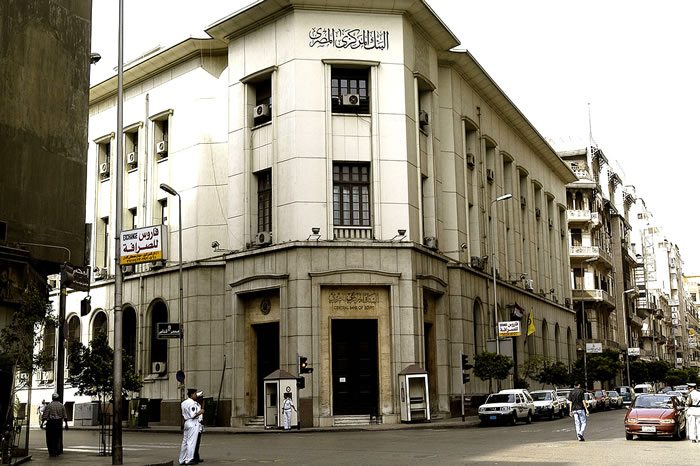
[
  {"x": 510, "y": 328},
  {"x": 344, "y": 38},
  {"x": 141, "y": 245}
]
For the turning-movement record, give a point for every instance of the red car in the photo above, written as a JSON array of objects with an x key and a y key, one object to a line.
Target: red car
[{"x": 656, "y": 415}]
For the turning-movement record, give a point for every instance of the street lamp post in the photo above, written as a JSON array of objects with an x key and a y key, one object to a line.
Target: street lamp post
[
  {"x": 494, "y": 251},
  {"x": 168, "y": 189}
]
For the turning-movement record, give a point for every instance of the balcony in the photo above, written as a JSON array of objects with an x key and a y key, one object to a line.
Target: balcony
[
  {"x": 593, "y": 295},
  {"x": 590, "y": 252},
  {"x": 352, "y": 233},
  {"x": 578, "y": 216},
  {"x": 595, "y": 219},
  {"x": 635, "y": 320}
]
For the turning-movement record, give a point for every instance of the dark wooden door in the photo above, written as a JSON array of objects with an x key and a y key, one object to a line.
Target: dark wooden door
[
  {"x": 268, "y": 357},
  {"x": 355, "y": 369}
]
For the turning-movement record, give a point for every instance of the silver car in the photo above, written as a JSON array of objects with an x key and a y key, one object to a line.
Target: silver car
[
  {"x": 506, "y": 408},
  {"x": 547, "y": 404}
]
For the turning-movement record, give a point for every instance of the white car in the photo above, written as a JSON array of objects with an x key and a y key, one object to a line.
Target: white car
[
  {"x": 547, "y": 404},
  {"x": 507, "y": 406}
]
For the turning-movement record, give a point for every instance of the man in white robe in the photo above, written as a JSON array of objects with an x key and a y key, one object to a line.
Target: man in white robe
[{"x": 190, "y": 413}]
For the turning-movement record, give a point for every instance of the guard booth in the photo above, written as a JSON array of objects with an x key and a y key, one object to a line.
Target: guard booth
[
  {"x": 138, "y": 412},
  {"x": 415, "y": 398},
  {"x": 276, "y": 385}
]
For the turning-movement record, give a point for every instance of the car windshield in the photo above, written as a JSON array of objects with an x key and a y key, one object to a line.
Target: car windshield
[
  {"x": 501, "y": 398},
  {"x": 541, "y": 396},
  {"x": 653, "y": 402},
  {"x": 612, "y": 393},
  {"x": 599, "y": 393}
]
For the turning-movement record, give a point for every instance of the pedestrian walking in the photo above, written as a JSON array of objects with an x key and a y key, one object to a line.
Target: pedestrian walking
[
  {"x": 200, "y": 403},
  {"x": 693, "y": 413},
  {"x": 191, "y": 411},
  {"x": 578, "y": 409},
  {"x": 54, "y": 416},
  {"x": 40, "y": 411},
  {"x": 287, "y": 407}
]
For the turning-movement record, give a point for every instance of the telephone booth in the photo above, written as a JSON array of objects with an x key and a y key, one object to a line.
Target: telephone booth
[
  {"x": 415, "y": 399},
  {"x": 276, "y": 385}
]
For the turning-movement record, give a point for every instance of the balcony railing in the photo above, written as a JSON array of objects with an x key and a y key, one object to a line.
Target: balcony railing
[
  {"x": 352, "y": 233},
  {"x": 593, "y": 295},
  {"x": 586, "y": 252}
]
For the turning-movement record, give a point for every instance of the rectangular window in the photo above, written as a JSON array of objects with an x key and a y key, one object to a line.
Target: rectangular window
[
  {"x": 162, "y": 212},
  {"x": 263, "y": 102},
  {"x": 104, "y": 157},
  {"x": 350, "y": 90},
  {"x": 265, "y": 201},
  {"x": 105, "y": 241},
  {"x": 576, "y": 237},
  {"x": 132, "y": 218},
  {"x": 351, "y": 206},
  {"x": 161, "y": 136},
  {"x": 131, "y": 149}
]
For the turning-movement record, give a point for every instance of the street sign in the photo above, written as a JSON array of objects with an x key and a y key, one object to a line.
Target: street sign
[
  {"x": 141, "y": 245},
  {"x": 81, "y": 279},
  {"x": 169, "y": 330},
  {"x": 633, "y": 352},
  {"x": 509, "y": 328},
  {"x": 594, "y": 347}
]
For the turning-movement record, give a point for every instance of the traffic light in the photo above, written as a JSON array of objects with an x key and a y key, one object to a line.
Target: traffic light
[
  {"x": 304, "y": 365},
  {"x": 465, "y": 368},
  {"x": 66, "y": 275},
  {"x": 301, "y": 383},
  {"x": 84, "y": 306}
]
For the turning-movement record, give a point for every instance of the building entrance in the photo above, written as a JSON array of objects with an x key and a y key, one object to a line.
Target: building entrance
[
  {"x": 267, "y": 338},
  {"x": 355, "y": 368}
]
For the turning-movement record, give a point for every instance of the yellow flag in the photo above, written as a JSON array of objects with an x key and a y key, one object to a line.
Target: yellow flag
[{"x": 530, "y": 324}]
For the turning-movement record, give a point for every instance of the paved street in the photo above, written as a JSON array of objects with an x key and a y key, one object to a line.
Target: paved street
[{"x": 548, "y": 442}]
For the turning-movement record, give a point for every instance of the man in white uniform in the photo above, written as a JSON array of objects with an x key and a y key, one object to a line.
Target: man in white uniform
[
  {"x": 190, "y": 413},
  {"x": 693, "y": 413}
]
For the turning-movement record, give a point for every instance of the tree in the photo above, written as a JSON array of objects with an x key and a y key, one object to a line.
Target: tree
[
  {"x": 91, "y": 369},
  {"x": 604, "y": 366},
  {"x": 23, "y": 334},
  {"x": 657, "y": 370},
  {"x": 555, "y": 374},
  {"x": 676, "y": 377},
  {"x": 489, "y": 366},
  {"x": 639, "y": 371},
  {"x": 533, "y": 366}
]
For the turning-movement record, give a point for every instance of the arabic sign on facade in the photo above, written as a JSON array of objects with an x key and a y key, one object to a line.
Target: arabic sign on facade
[
  {"x": 633, "y": 351},
  {"x": 594, "y": 347},
  {"x": 509, "y": 328},
  {"x": 168, "y": 330},
  {"x": 147, "y": 244},
  {"x": 348, "y": 38},
  {"x": 352, "y": 300}
]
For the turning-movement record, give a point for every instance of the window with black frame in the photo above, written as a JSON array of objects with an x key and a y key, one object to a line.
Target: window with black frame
[
  {"x": 264, "y": 201},
  {"x": 351, "y": 204},
  {"x": 349, "y": 90},
  {"x": 262, "y": 113}
]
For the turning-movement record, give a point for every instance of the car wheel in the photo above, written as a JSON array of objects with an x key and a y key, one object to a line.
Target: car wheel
[
  {"x": 677, "y": 434},
  {"x": 561, "y": 413},
  {"x": 528, "y": 419},
  {"x": 551, "y": 414},
  {"x": 514, "y": 419},
  {"x": 629, "y": 436}
]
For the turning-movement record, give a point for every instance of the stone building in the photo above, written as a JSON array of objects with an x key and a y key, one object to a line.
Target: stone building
[{"x": 342, "y": 175}]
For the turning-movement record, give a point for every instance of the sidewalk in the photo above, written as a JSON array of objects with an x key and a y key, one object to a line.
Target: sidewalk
[{"x": 39, "y": 456}]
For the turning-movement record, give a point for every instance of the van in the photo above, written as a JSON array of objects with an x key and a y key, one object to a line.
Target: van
[
  {"x": 643, "y": 388},
  {"x": 626, "y": 392}
]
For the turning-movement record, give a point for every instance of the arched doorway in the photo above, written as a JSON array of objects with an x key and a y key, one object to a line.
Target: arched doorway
[
  {"x": 159, "y": 348},
  {"x": 129, "y": 332},
  {"x": 99, "y": 324}
]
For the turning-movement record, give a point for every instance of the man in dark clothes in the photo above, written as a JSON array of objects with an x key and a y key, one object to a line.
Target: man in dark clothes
[
  {"x": 578, "y": 409},
  {"x": 55, "y": 416}
]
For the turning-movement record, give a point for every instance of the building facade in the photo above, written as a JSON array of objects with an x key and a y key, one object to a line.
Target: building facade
[{"x": 344, "y": 180}]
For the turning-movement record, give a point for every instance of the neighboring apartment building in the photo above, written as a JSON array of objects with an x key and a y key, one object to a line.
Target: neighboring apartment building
[
  {"x": 345, "y": 167},
  {"x": 691, "y": 284},
  {"x": 45, "y": 60}
]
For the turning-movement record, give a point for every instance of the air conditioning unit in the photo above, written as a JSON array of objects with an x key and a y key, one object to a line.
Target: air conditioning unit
[
  {"x": 563, "y": 233},
  {"x": 132, "y": 158},
  {"x": 523, "y": 201},
  {"x": 104, "y": 169},
  {"x": 48, "y": 375},
  {"x": 490, "y": 175},
  {"x": 162, "y": 148},
  {"x": 263, "y": 238},
  {"x": 261, "y": 110},
  {"x": 351, "y": 100},
  {"x": 529, "y": 284},
  {"x": 127, "y": 269},
  {"x": 430, "y": 242},
  {"x": 101, "y": 273},
  {"x": 551, "y": 223},
  {"x": 567, "y": 302},
  {"x": 471, "y": 160},
  {"x": 158, "y": 367},
  {"x": 477, "y": 262},
  {"x": 155, "y": 265},
  {"x": 538, "y": 213},
  {"x": 423, "y": 118}
]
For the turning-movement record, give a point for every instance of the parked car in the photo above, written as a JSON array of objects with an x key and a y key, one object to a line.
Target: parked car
[
  {"x": 591, "y": 401},
  {"x": 563, "y": 394},
  {"x": 506, "y": 407},
  {"x": 548, "y": 404},
  {"x": 643, "y": 388},
  {"x": 602, "y": 400},
  {"x": 626, "y": 392},
  {"x": 655, "y": 415},
  {"x": 678, "y": 394},
  {"x": 615, "y": 399}
]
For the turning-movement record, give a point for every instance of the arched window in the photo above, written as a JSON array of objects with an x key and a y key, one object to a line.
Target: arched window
[
  {"x": 478, "y": 328},
  {"x": 73, "y": 335},
  {"x": 569, "y": 346},
  {"x": 129, "y": 332},
  {"x": 545, "y": 339},
  {"x": 99, "y": 324},
  {"x": 557, "y": 343},
  {"x": 159, "y": 348}
]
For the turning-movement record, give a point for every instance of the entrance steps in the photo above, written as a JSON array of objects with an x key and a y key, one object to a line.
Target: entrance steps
[
  {"x": 354, "y": 420},
  {"x": 258, "y": 421}
]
